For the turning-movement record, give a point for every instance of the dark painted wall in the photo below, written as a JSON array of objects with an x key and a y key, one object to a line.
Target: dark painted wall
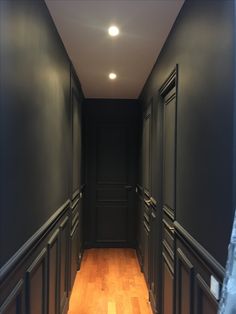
[
  {"x": 202, "y": 44},
  {"x": 36, "y": 124}
]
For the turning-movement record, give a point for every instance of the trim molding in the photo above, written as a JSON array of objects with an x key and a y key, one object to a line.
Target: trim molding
[
  {"x": 199, "y": 251},
  {"x": 170, "y": 82},
  {"x": 152, "y": 302},
  {"x": 140, "y": 258},
  {"x": 17, "y": 290},
  {"x": 75, "y": 193},
  {"x": 22, "y": 253}
]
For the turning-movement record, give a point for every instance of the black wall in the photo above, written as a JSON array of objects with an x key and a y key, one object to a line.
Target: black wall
[
  {"x": 35, "y": 136},
  {"x": 41, "y": 180},
  {"x": 202, "y": 44}
]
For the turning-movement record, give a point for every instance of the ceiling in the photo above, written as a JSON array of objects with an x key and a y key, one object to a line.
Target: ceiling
[{"x": 144, "y": 26}]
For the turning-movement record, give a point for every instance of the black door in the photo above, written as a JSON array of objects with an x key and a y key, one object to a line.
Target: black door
[
  {"x": 111, "y": 173},
  {"x": 147, "y": 128},
  {"x": 112, "y": 186},
  {"x": 168, "y": 94}
]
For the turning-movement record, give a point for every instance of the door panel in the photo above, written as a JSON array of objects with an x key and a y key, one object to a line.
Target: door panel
[
  {"x": 111, "y": 223},
  {"x": 77, "y": 141},
  {"x": 111, "y": 154},
  {"x": 169, "y": 150},
  {"x": 147, "y": 149}
]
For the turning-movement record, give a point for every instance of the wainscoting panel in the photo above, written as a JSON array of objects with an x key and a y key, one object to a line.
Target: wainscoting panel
[
  {"x": 205, "y": 302},
  {"x": 36, "y": 285},
  {"x": 64, "y": 232},
  {"x": 14, "y": 302},
  {"x": 53, "y": 270},
  {"x": 37, "y": 280},
  {"x": 184, "y": 282},
  {"x": 194, "y": 268}
]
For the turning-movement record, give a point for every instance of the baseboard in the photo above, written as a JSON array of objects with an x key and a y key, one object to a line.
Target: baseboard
[
  {"x": 140, "y": 259},
  {"x": 152, "y": 302}
]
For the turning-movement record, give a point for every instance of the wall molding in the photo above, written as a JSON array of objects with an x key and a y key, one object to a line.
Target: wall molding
[
  {"x": 199, "y": 251},
  {"x": 25, "y": 250},
  {"x": 16, "y": 292}
]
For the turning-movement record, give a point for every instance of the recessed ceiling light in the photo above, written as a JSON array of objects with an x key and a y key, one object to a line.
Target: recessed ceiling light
[
  {"x": 113, "y": 31},
  {"x": 112, "y": 76}
]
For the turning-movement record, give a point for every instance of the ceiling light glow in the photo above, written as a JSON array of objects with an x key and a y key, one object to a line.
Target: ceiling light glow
[
  {"x": 112, "y": 76},
  {"x": 113, "y": 31}
]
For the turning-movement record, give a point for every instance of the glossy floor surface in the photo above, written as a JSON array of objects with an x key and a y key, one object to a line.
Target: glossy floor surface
[{"x": 109, "y": 282}]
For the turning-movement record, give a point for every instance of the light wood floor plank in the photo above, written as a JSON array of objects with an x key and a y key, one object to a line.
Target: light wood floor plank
[{"x": 109, "y": 282}]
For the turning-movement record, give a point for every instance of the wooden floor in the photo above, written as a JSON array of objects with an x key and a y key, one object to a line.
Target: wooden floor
[{"x": 109, "y": 282}]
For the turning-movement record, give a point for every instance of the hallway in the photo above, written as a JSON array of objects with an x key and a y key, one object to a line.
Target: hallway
[
  {"x": 118, "y": 154},
  {"x": 109, "y": 282}
]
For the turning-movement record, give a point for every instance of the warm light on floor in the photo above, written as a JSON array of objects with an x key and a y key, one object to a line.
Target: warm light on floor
[{"x": 109, "y": 282}]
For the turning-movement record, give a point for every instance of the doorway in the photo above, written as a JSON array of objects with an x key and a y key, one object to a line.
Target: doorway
[{"x": 111, "y": 150}]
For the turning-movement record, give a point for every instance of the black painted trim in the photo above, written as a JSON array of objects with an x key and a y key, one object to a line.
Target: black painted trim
[
  {"x": 75, "y": 194},
  {"x": 201, "y": 285},
  {"x": 171, "y": 268},
  {"x": 18, "y": 289},
  {"x": 152, "y": 302},
  {"x": 75, "y": 202},
  {"x": 170, "y": 82},
  {"x": 21, "y": 254},
  {"x": 74, "y": 228},
  {"x": 75, "y": 219},
  {"x": 140, "y": 258},
  {"x": 199, "y": 251},
  {"x": 168, "y": 249},
  {"x": 169, "y": 212}
]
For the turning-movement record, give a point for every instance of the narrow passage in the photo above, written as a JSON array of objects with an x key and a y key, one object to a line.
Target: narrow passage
[{"x": 109, "y": 282}]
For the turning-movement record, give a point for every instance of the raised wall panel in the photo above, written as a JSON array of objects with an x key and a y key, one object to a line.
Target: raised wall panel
[
  {"x": 36, "y": 283},
  {"x": 74, "y": 252},
  {"x": 146, "y": 237},
  {"x": 14, "y": 302},
  {"x": 194, "y": 268},
  {"x": 168, "y": 286},
  {"x": 154, "y": 263},
  {"x": 53, "y": 273},
  {"x": 205, "y": 303},
  {"x": 64, "y": 262},
  {"x": 184, "y": 283},
  {"x": 38, "y": 280}
]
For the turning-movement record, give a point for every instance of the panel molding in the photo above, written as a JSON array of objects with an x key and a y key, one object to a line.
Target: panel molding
[
  {"x": 40, "y": 260},
  {"x": 168, "y": 263},
  {"x": 169, "y": 212},
  {"x": 15, "y": 296},
  {"x": 26, "y": 249},
  {"x": 199, "y": 251},
  {"x": 64, "y": 285},
  {"x": 203, "y": 289},
  {"x": 170, "y": 82},
  {"x": 152, "y": 299},
  {"x": 183, "y": 261},
  {"x": 54, "y": 240}
]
